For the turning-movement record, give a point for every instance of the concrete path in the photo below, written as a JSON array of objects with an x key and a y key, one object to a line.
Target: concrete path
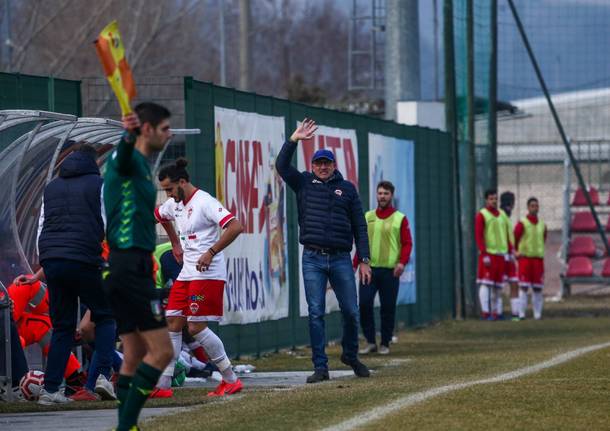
[
  {"x": 102, "y": 420},
  {"x": 270, "y": 379},
  {"x": 87, "y": 420}
]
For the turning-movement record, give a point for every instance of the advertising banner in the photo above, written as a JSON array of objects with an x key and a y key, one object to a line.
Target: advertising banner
[
  {"x": 248, "y": 185},
  {"x": 392, "y": 159}
]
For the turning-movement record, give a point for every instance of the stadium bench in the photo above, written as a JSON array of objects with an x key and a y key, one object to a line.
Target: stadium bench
[
  {"x": 583, "y": 222},
  {"x": 579, "y": 266},
  {"x": 579, "y": 197},
  {"x": 582, "y": 246}
]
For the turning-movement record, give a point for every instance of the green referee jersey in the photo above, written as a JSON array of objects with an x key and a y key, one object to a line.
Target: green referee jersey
[{"x": 129, "y": 198}]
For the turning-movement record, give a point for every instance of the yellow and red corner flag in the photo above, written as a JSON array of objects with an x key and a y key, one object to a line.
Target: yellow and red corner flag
[{"x": 111, "y": 52}]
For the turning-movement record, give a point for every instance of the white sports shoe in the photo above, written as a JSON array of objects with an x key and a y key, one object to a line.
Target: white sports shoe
[
  {"x": 384, "y": 350},
  {"x": 16, "y": 394},
  {"x": 369, "y": 348},
  {"x": 104, "y": 388},
  {"x": 49, "y": 399}
]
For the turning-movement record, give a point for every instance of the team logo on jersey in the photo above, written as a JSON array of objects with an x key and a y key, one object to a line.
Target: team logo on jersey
[
  {"x": 199, "y": 298},
  {"x": 338, "y": 192},
  {"x": 220, "y": 209},
  {"x": 194, "y": 307},
  {"x": 314, "y": 181},
  {"x": 190, "y": 211}
]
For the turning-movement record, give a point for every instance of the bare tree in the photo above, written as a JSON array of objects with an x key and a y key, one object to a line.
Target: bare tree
[{"x": 180, "y": 37}]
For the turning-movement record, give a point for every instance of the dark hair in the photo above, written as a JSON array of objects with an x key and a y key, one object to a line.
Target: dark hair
[
  {"x": 507, "y": 202},
  {"x": 85, "y": 148},
  {"x": 386, "y": 185},
  {"x": 152, "y": 113},
  {"x": 507, "y": 198},
  {"x": 175, "y": 171},
  {"x": 490, "y": 192},
  {"x": 530, "y": 200}
]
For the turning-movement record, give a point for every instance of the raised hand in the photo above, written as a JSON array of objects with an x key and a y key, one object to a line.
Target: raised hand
[
  {"x": 131, "y": 122},
  {"x": 305, "y": 130}
]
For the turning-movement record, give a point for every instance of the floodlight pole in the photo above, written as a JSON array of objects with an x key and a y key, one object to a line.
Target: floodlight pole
[{"x": 564, "y": 138}]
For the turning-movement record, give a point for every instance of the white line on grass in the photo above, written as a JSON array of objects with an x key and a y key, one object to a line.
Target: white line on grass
[{"x": 418, "y": 397}]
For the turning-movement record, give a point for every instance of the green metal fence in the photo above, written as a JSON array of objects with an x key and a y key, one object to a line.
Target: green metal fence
[
  {"x": 435, "y": 233},
  {"x": 38, "y": 93}
]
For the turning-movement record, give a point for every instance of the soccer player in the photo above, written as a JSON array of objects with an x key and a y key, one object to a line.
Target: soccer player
[
  {"x": 129, "y": 198},
  {"x": 196, "y": 297},
  {"x": 491, "y": 234},
  {"x": 530, "y": 235},
  {"x": 390, "y": 242},
  {"x": 507, "y": 203}
]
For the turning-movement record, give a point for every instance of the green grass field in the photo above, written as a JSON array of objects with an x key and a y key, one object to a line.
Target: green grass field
[{"x": 573, "y": 395}]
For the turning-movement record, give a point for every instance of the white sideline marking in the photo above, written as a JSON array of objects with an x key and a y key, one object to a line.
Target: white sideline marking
[{"x": 409, "y": 400}]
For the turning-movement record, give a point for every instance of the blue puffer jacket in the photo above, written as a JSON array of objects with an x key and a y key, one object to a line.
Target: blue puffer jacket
[
  {"x": 73, "y": 227},
  {"x": 330, "y": 213}
]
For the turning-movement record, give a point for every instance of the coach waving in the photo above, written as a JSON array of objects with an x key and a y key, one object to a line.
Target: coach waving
[{"x": 330, "y": 219}]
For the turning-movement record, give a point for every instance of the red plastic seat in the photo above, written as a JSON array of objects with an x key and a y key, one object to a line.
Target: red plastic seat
[
  {"x": 606, "y": 270},
  {"x": 583, "y": 222},
  {"x": 582, "y": 246},
  {"x": 579, "y": 197},
  {"x": 579, "y": 266}
]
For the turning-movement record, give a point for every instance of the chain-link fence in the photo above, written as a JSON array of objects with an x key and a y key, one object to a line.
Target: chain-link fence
[
  {"x": 99, "y": 101},
  {"x": 569, "y": 41}
]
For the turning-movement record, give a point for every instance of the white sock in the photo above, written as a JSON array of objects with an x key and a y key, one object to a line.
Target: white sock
[
  {"x": 484, "y": 298},
  {"x": 522, "y": 303},
  {"x": 216, "y": 352},
  {"x": 193, "y": 345},
  {"x": 165, "y": 381},
  {"x": 514, "y": 306},
  {"x": 499, "y": 304},
  {"x": 537, "y": 302}
]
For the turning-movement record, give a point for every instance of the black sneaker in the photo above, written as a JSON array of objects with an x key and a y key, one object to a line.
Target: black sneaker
[
  {"x": 359, "y": 368},
  {"x": 318, "y": 376},
  {"x": 199, "y": 373}
]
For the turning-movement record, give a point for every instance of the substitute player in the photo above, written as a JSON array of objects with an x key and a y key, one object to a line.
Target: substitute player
[
  {"x": 491, "y": 235},
  {"x": 530, "y": 235},
  {"x": 196, "y": 296},
  {"x": 507, "y": 203},
  {"x": 129, "y": 198}
]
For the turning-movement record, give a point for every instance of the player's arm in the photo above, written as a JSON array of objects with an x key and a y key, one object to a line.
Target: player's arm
[
  {"x": 164, "y": 216},
  {"x": 406, "y": 247},
  {"x": 124, "y": 151},
  {"x": 479, "y": 235},
  {"x": 173, "y": 238},
  {"x": 230, "y": 232},
  {"x": 231, "y": 229},
  {"x": 518, "y": 234}
]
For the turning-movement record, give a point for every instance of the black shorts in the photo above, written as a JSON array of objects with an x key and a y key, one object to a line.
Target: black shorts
[{"x": 131, "y": 289}]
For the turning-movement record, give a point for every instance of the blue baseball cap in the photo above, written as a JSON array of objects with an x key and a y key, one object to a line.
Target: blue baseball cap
[{"x": 323, "y": 154}]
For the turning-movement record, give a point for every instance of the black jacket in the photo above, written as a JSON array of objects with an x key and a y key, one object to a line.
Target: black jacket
[
  {"x": 73, "y": 227},
  {"x": 330, "y": 213}
]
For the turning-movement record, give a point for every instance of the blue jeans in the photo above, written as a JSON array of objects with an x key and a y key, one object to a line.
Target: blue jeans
[{"x": 318, "y": 269}]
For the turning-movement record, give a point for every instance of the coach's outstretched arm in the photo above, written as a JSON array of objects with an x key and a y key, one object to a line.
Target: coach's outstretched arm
[{"x": 289, "y": 173}]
